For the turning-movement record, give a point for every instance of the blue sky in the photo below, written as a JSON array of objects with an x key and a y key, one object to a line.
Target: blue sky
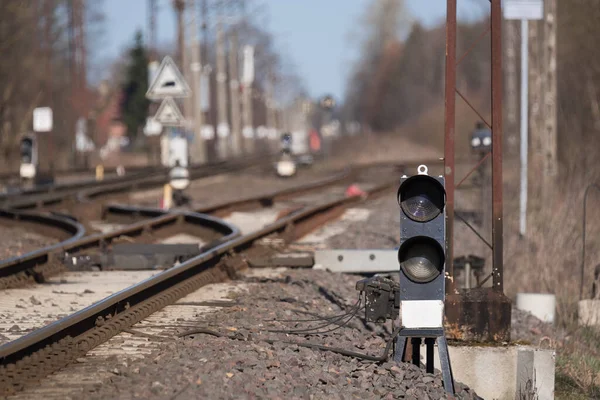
[{"x": 316, "y": 35}]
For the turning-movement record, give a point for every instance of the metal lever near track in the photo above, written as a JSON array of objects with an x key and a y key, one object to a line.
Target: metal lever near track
[{"x": 134, "y": 257}]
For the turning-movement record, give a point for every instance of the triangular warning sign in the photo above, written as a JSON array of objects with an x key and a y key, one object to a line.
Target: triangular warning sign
[
  {"x": 168, "y": 113},
  {"x": 168, "y": 82}
]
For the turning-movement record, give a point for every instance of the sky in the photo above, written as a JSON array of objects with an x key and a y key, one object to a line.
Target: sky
[{"x": 317, "y": 36}]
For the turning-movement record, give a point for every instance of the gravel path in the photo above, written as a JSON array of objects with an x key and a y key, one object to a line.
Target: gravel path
[
  {"x": 17, "y": 241},
  {"x": 238, "y": 185},
  {"x": 243, "y": 364},
  {"x": 380, "y": 231}
]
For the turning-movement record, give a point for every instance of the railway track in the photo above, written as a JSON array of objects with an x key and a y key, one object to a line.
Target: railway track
[
  {"x": 8, "y": 177},
  {"x": 59, "y": 194},
  {"x": 45, "y": 350},
  {"x": 143, "y": 225}
]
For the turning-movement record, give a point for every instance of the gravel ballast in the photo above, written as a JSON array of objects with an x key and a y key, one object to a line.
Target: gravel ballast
[
  {"x": 245, "y": 364},
  {"x": 17, "y": 241}
]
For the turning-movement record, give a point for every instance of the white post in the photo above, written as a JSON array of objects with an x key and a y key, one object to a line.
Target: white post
[{"x": 524, "y": 122}]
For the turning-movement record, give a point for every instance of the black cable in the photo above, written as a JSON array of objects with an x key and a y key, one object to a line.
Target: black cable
[
  {"x": 345, "y": 323},
  {"x": 309, "y": 345},
  {"x": 318, "y": 317},
  {"x": 353, "y": 311},
  {"x": 314, "y": 331},
  {"x": 331, "y": 319}
]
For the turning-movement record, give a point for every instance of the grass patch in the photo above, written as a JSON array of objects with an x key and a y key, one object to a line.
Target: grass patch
[{"x": 578, "y": 366}]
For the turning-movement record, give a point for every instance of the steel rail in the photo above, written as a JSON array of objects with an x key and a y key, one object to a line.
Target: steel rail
[
  {"x": 18, "y": 270},
  {"x": 42, "y": 263},
  {"x": 49, "y": 188},
  {"x": 30, "y": 200},
  {"x": 45, "y": 350},
  {"x": 66, "y": 227},
  {"x": 14, "y": 176}
]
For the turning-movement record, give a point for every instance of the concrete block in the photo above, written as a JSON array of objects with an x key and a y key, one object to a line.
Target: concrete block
[
  {"x": 539, "y": 305},
  {"x": 502, "y": 373},
  {"x": 589, "y": 312}
]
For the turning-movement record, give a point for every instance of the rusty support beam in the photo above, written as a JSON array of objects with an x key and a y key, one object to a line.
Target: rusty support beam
[
  {"x": 497, "y": 240},
  {"x": 450, "y": 116}
]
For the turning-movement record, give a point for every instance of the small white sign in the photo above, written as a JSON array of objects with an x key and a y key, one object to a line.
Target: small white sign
[
  {"x": 272, "y": 133},
  {"x": 223, "y": 130},
  {"x": 207, "y": 132},
  {"x": 523, "y": 9},
  {"x": 169, "y": 82},
  {"x": 205, "y": 92},
  {"x": 82, "y": 143},
  {"x": 168, "y": 113},
  {"x": 152, "y": 127},
  {"x": 248, "y": 71},
  {"x": 178, "y": 152},
  {"x": 261, "y": 132},
  {"x": 422, "y": 313},
  {"x": 42, "y": 119},
  {"x": 248, "y": 132}
]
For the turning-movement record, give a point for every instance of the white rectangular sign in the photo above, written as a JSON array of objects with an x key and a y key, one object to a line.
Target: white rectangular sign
[
  {"x": 248, "y": 71},
  {"x": 204, "y": 92},
  {"x": 523, "y": 9},
  {"x": 422, "y": 314},
  {"x": 42, "y": 119}
]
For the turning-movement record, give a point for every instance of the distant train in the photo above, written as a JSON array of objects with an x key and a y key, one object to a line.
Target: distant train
[{"x": 36, "y": 159}]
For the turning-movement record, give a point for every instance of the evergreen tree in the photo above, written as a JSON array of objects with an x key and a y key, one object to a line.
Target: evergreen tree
[{"x": 134, "y": 106}]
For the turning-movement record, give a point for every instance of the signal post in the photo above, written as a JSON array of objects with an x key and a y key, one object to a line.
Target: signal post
[{"x": 481, "y": 314}]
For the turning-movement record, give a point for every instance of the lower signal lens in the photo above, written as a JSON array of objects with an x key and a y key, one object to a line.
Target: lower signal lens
[{"x": 421, "y": 259}]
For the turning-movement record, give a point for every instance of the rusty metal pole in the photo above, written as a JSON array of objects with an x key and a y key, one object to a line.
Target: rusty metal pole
[
  {"x": 497, "y": 242},
  {"x": 481, "y": 314},
  {"x": 450, "y": 118}
]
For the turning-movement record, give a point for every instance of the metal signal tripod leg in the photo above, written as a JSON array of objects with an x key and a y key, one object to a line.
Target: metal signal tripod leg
[
  {"x": 445, "y": 364},
  {"x": 444, "y": 355}
]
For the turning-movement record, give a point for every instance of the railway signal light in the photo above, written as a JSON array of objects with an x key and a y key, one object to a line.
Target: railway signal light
[
  {"x": 422, "y": 258},
  {"x": 422, "y": 240},
  {"x": 28, "y": 150},
  {"x": 418, "y": 296}
]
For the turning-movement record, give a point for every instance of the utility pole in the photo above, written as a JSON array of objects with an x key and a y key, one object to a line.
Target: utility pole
[
  {"x": 182, "y": 50},
  {"x": 153, "y": 141},
  {"x": 236, "y": 140},
  {"x": 531, "y": 92},
  {"x": 222, "y": 123},
  {"x": 152, "y": 8},
  {"x": 199, "y": 148},
  {"x": 206, "y": 86},
  {"x": 270, "y": 103},
  {"x": 549, "y": 141},
  {"x": 78, "y": 61},
  {"x": 179, "y": 6},
  {"x": 49, "y": 87},
  {"x": 512, "y": 86},
  {"x": 536, "y": 101},
  {"x": 247, "y": 116}
]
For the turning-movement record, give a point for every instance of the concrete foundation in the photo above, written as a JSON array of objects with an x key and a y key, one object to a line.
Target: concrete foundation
[
  {"x": 589, "y": 312},
  {"x": 502, "y": 373}
]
